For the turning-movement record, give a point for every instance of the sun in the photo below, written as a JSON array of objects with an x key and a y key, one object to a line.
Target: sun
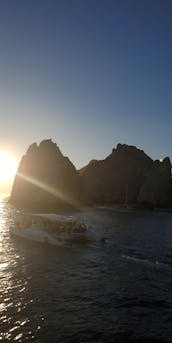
[{"x": 8, "y": 167}]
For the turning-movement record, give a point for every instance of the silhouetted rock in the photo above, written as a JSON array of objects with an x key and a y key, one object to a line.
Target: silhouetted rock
[
  {"x": 157, "y": 186},
  {"x": 45, "y": 179},
  {"x": 117, "y": 178}
]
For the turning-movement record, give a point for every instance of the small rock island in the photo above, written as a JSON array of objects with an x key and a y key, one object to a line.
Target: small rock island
[{"x": 47, "y": 180}]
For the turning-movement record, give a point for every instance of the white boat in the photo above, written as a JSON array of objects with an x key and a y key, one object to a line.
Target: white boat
[{"x": 53, "y": 229}]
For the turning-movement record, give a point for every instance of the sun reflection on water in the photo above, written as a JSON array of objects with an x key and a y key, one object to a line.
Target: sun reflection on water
[
  {"x": 16, "y": 299},
  {"x": 3, "y": 234}
]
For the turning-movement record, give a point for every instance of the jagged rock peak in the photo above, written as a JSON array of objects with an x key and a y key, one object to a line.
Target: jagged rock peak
[
  {"x": 126, "y": 148},
  {"x": 156, "y": 188},
  {"x": 45, "y": 177},
  {"x": 32, "y": 148},
  {"x": 47, "y": 145},
  {"x": 167, "y": 161},
  {"x": 163, "y": 163}
]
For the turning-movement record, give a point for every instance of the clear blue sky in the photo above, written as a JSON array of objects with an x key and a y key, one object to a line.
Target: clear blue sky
[{"x": 88, "y": 74}]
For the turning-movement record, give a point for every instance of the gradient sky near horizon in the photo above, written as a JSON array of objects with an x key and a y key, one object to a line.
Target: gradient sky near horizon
[{"x": 88, "y": 74}]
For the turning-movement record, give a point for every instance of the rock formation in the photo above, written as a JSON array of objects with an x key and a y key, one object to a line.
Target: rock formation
[
  {"x": 117, "y": 178},
  {"x": 157, "y": 186},
  {"x": 45, "y": 179}
]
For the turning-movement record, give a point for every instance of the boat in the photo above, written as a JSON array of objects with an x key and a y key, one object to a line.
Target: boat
[{"x": 53, "y": 229}]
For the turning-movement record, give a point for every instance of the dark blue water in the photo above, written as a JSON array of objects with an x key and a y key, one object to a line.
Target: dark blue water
[{"x": 117, "y": 292}]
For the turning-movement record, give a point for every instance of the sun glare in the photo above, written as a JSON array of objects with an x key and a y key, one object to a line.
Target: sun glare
[{"x": 8, "y": 167}]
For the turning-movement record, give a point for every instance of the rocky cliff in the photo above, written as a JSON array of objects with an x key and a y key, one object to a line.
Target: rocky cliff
[
  {"x": 45, "y": 178},
  {"x": 117, "y": 178},
  {"x": 156, "y": 189}
]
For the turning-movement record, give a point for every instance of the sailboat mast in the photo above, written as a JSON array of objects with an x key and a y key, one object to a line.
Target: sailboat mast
[{"x": 126, "y": 195}]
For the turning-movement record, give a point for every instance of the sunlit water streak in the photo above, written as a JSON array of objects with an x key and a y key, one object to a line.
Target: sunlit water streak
[{"x": 117, "y": 292}]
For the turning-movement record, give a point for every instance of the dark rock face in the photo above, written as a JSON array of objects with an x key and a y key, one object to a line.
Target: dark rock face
[
  {"x": 157, "y": 186},
  {"x": 117, "y": 178},
  {"x": 45, "y": 178}
]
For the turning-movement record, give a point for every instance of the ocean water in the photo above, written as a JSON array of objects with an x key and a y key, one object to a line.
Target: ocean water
[{"x": 120, "y": 291}]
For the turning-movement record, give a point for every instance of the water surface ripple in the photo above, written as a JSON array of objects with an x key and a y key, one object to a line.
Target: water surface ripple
[{"x": 117, "y": 292}]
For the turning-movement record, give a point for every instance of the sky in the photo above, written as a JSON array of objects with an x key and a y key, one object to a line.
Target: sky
[{"x": 88, "y": 74}]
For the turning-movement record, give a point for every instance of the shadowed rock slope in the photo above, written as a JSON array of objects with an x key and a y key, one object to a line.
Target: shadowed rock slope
[
  {"x": 157, "y": 186},
  {"x": 45, "y": 179},
  {"x": 116, "y": 179}
]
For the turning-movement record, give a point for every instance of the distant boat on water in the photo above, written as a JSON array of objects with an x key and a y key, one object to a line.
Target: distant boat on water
[{"x": 53, "y": 229}]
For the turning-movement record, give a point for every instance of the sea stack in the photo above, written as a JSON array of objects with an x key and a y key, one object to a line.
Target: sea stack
[
  {"x": 157, "y": 186},
  {"x": 116, "y": 179},
  {"x": 45, "y": 179}
]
